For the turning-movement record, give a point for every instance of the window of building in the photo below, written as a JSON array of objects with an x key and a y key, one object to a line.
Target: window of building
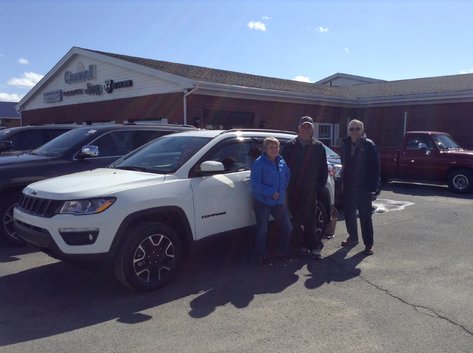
[
  {"x": 217, "y": 120},
  {"x": 328, "y": 134}
]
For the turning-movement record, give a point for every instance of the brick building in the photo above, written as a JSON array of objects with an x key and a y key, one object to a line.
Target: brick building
[
  {"x": 93, "y": 86},
  {"x": 9, "y": 117}
]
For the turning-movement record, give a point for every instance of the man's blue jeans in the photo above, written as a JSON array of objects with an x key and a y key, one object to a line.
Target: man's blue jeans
[{"x": 281, "y": 216}]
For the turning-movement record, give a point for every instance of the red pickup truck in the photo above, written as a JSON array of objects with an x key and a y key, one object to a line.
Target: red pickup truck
[{"x": 431, "y": 157}]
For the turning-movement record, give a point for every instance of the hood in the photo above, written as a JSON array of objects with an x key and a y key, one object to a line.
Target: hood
[
  {"x": 92, "y": 183},
  {"x": 460, "y": 153}
]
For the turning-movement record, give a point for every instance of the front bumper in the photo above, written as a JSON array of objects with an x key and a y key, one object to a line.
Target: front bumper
[
  {"x": 41, "y": 239},
  {"x": 63, "y": 236}
]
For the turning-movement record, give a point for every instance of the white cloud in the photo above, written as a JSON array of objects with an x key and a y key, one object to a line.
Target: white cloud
[
  {"x": 470, "y": 71},
  {"x": 265, "y": 18},
  {"x": 322, "y": 29},
  {"x": 257, "y": 26},
  {"x": 29, "y": 79},
  {"x": 9, "y": 97},
  {"x": 23, "y": 61},
  {"x": 301, "y": 78},
  {"x": 347, "y": 50}
]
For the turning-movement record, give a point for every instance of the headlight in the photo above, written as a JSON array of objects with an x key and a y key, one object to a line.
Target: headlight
[
  {"x": 86, "y": 207},
  {"x": 335, "y": 170}
]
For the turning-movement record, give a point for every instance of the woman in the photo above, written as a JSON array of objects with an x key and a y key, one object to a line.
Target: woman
[{"x": 269, "y": 180}]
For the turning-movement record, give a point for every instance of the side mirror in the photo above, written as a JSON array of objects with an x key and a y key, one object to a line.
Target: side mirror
[
  {"x": 210, "y": 167},
  {"x": 89, "y": 151},
  {"x": 6, "y": 146}
]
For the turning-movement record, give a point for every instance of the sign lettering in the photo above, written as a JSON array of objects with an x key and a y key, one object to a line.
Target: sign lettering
[{"x": 81, "y": 75}]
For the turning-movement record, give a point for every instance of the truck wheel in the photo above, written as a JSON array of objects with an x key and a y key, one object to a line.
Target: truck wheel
[
  {"x": 321, "y": 219},
  {"x": 149, "y": 258},
  {"x": 7, "y": 230},
  {"x": 460, "y": 180}
]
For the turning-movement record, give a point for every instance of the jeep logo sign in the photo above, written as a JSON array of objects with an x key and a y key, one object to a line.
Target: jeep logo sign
[{"x": 109, "y": 85}]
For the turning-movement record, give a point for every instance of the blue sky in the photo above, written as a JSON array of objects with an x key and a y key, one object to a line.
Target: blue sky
[{"x": 292, "y": 39}]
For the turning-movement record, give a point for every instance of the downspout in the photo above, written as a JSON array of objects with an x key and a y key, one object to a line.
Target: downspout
[
  {"x": 405, "y": 122},
  {"x": 185, "y": 101},
  {"x": 18, "y": 110}
]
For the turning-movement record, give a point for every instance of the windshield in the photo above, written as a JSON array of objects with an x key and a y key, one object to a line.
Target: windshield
[
  {"x": 4, "y": 133},
  {"x": 445, "y": 142},
  {"x": 61, "y": 144},
  {"x": 164, "y": 155},
  {"x": 330, "y": 153}
]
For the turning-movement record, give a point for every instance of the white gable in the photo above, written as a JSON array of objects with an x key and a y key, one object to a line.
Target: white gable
[{"x": 85, "y": 77}]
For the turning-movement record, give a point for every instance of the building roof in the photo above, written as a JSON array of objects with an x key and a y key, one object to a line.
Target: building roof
[
  {"x": 354, "y": 90},
  {"x": 441, "y": 84},
  {"x": 348, "y": 79},
  {"x": 370, "y": 91},
  {"x": 8, "y": 111},
  {"x": 205, "y": 74}
]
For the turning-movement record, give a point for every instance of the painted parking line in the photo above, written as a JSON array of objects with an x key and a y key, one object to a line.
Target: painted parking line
[{"x": 385, "y": 205}]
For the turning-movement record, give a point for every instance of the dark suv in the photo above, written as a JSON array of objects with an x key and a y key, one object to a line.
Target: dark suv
[
  {"x": 27, "y": 138},
  {"x": 83, "y": 148}
]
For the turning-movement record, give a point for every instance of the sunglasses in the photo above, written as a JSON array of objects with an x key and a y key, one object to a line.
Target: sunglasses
[{"x": 355, "y": 129}]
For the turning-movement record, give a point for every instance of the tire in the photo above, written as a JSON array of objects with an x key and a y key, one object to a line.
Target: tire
[
  {"x": 149, "y": 258},
  {"x": 321, "y": 220},
  {"x": 7, "y": 230},
  {"x": 460, "y": 180}
]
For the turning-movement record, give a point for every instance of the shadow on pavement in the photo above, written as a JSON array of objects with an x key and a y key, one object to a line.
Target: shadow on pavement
[
  {"x": 9, "y": 252},
  {"x": 56, "y": 298},
  {"x": 334, "y": 268}
]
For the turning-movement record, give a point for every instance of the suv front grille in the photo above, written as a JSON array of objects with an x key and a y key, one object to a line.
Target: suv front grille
[{"x": 39, "y": 207}]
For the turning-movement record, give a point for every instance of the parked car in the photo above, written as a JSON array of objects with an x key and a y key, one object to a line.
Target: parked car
[
  {"x": 83, "y": 148},
  {"x": 142, "y": 215},
  {"x": 432, "y": 157},
  {"x": 27, "y": 138},
  {"x": 335, "y": 169}
]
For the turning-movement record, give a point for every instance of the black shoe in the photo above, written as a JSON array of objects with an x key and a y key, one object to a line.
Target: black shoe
[
  {"x": 369, "y": 250},
  {"x": 315, "y": 254},
  {"x": 349, "y": 242},
  {"x": 265, "y": 261},
  {"x": 285, "y": 258}
]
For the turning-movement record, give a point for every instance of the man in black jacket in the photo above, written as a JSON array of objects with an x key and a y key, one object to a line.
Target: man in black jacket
[
  {"x": 307, "y": 161},
  {"x": 360, "y": 178}
]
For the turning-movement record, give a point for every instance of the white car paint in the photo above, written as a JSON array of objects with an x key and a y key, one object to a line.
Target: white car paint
[{"x": 212, "y": 204}]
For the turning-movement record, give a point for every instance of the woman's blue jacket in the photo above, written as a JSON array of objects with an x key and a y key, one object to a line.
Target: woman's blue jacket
[{"x": 268, "y": 177}]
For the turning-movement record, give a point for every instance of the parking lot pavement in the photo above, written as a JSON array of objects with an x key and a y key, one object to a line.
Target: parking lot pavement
[{"x": 413, "y": 295}]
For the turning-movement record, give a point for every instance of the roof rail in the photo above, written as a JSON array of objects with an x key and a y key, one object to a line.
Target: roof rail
[
  {"x": 141, "y": 123},
  {"x": 262, "y": 130}
]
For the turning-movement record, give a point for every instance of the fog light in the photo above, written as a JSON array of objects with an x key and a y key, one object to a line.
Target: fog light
[{"x": 79, "y": 236}]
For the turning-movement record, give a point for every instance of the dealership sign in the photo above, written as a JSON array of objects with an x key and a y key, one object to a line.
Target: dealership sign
[
  {"x": 109, "y": 85},
  {"x": 81, "y": 75},
  {"x": 90, "y": 90},
  {"x": 52, "y": 96}
]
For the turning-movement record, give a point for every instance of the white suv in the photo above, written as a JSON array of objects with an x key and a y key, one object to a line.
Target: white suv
[{"x": 144, "y": 213}]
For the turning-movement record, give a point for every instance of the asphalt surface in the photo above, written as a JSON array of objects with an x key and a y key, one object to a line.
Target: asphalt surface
[{"x": 413, "y": 295}]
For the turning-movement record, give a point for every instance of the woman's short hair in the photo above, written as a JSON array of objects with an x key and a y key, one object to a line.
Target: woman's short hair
[{"x": 269, "y": 140}]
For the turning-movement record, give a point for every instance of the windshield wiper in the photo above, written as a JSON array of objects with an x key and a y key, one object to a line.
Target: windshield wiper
[{"x": 132, "y": 167}]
